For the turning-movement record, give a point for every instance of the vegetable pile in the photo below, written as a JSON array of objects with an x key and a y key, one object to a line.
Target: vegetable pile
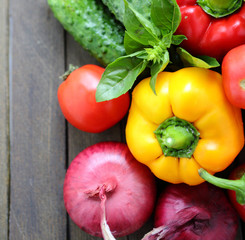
[{"x": 184, "y": 121}]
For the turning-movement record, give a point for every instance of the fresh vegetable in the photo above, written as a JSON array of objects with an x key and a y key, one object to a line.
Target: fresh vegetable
[
  {"x": 210, "y": 35},
  {"x": 186, "y": 125},
  {"x": 93, "y": 26},
  {"x": 76, "y": 96},
  {"x": 238, "y": 174},
  {"x": 103, "y": 182},
  {"x": 234, "y": 76},
  {"x": 235, "y": 186},
  {"x": 148, "y": 43},
  {"x": 198, "y": 212},
  {"x": 118, "y": 7}
]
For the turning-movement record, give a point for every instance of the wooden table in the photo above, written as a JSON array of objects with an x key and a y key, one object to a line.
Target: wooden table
[{"x": 36, "y": 143}]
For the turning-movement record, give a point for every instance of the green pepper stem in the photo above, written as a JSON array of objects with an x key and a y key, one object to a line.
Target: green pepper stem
[
  {"x": 177, "y": 137},
  {"x": 220, "y": 8},
  {"x": 237, "y": 185}
]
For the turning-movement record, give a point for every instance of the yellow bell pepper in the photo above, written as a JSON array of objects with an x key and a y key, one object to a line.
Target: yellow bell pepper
[{"x": 188, "y": 124}]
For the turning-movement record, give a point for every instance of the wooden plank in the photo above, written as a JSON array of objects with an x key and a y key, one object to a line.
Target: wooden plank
[
  {"x": 4, "y": 119},
  {"x": 37, "y": 128}
]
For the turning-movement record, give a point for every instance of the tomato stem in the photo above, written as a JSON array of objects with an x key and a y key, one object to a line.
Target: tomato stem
[
  {"x": 68, "y": 72},
  {"x": 242, "y": 84},
  {"x": 237, "y": 185}
]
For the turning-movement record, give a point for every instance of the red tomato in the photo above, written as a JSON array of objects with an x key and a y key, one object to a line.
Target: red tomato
[
  {"x": 237, "y": 174},
  {"x": 76, "y": 96},
  {"x": 233, "y": 72}
]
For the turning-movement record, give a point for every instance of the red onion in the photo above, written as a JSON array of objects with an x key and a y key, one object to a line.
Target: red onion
[
  {"x": 106, "y": 187},
  {"x": 199, "y": 212}
]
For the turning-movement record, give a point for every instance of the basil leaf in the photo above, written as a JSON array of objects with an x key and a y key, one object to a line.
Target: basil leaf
[
  {"x": 166, "y": 40},
  {"x": 178, "y": 39},
  {"x": 138, "y": 27},
  {"x": 212, "y": 62},
  {"x": 131, "y": 45},
  {"x": 158, "y": 67},
  {"x": 142, "y": 54},
  {"x": 166, "y": 14},
  {"x": 202, "y": 61},
  {"x": 119, "y": 77},
  {"x": 143, "y": 7},
  {"x": 117, "y": 7}
]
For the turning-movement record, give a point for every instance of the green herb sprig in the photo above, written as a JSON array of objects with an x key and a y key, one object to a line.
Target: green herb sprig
[{"x": 147, "y": 44}]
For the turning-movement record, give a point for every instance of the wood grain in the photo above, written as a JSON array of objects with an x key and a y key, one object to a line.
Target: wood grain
[
  {"x": 37, "y": 133},
  {"x": 4, "y": 119}
]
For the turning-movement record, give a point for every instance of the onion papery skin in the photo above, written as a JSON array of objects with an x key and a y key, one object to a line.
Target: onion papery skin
[
  {"x": 215, "y": 218},
  {"x": 130, "y": 189}
]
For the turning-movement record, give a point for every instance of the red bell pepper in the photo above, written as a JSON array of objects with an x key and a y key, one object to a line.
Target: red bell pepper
[{"x": 213, "y": 35}]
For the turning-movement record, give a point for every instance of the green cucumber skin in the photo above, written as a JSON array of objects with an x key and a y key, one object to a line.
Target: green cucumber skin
[
  {"x": 93, "y": 26},
  {"x": 117, "y": 7}
]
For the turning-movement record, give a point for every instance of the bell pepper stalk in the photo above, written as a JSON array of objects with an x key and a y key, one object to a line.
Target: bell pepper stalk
[
  {"x": 220, "y": 8},
  {"x": 237, "y": 185},
  {"x": 188, "y": 124},
  {"x": 212, "y": 35},
  {"x": 177, "y": 137},
  {"x": 149, "y": 43},
  {"x": 237, "y": 174}
]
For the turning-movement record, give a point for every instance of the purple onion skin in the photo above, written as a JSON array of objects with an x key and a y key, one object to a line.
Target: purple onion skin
[
  {"x": 130, "y": 189},
  {"x": 200, "y": 212}
]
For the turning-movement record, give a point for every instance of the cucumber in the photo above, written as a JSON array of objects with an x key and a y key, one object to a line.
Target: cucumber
[
  {"x": 93, "y": 26},
  {"x": 117, "y": 7}
]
